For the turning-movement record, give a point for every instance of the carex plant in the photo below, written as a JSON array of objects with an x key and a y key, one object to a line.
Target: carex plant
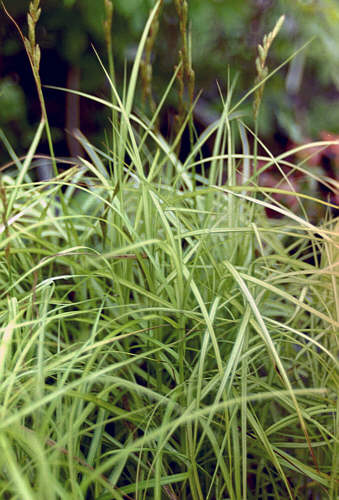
[{"x": 161, "y": 336}]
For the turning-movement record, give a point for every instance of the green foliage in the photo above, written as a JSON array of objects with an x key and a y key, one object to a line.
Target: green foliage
[
  {"x": 224, "y": 34},
  {"x": 160, "y": 335},
  {"x": 12, "y": 100}
]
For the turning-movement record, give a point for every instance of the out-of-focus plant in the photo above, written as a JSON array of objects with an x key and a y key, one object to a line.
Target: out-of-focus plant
[{"x": 146, "y": 64}]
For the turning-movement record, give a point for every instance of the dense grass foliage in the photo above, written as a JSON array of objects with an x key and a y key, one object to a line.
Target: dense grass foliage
[
  {"x": 161, "y": 336},
  {"x": 300, "y": 101}
]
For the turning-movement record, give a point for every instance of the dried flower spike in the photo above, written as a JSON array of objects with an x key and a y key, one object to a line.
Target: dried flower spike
[
  {"x": 108, "y": 21},
  {"x": 146, "y": 63},
  {"x": 186, "y": 75},
  {"x": 31, "y": 46},
  {"x": 260, "y": 62}
]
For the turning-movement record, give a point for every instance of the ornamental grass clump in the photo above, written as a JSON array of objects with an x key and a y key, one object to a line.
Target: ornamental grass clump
[{"x": 163, "y": 337}]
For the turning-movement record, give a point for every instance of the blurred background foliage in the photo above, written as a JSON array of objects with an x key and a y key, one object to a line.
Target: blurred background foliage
[{"x": 299, "y": 102}]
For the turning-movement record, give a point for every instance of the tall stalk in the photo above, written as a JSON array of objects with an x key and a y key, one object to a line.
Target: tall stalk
[
  {"x": 262, "y": 72},
  {"x": 34, "y": 56},
  {"x": 186, "y": 75},
  {"x": 146, "y": 64},
  {"x": 109, "y": 10}
]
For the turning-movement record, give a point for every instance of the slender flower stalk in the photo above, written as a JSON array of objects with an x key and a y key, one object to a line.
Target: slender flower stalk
[
  {"x": 34, "y": 55},
  {"x": 262, "y": 72},
  {"x": 146, "y": 63},
  {"x": 260, "y": 62},
  {"x": 186, "y": 75}
]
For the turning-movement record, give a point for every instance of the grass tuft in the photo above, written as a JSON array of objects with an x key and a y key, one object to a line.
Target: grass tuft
[{"x": 163, "y": 337}]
